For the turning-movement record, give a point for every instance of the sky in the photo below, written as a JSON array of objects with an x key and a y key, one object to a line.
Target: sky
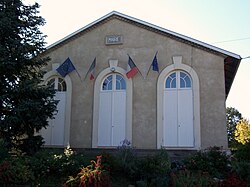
[{"x": 222, "y": 23}]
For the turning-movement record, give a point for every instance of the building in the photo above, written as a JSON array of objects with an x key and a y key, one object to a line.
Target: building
[{"x": 180, "y": 107}]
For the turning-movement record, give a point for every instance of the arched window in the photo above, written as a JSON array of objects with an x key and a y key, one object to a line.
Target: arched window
[
  {"x": 107, "y": 83},
  {"x": 171, "y": 81},
  {"x": 58, "y": 84},
  {"x": 185, "y": 81},
  {"x": 179, "y": 79},
  {"x": 118, "y": 84}
]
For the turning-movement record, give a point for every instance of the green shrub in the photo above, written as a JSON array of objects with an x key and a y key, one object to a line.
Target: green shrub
[
  {"x": 123, "y": 164},
  {"x": 212, "y": 160},
  {"x": 242, "y": 168},
  {"x": 54, "y": 166},
  {"x": 3, "y": 151},
  {"x": 16, "y": 171},
  {"x": 185, "y": 178},
  {"x": 127, "y": 167},
  {"x": 243, "y": 152},
  {"x": 155, "y": 169},
  {"x": 141, "y": 183},
  {"x": 31, "y": 144},
  {"x": 119, "y": 172}
]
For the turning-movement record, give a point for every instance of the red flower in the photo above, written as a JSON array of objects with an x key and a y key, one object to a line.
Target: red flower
[{"x": 99, "y": 160}]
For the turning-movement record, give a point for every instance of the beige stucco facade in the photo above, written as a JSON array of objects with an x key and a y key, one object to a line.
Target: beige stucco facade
[{"x": 141, "y": 44}]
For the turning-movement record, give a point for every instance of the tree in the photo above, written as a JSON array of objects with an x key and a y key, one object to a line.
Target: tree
[
  {"x": 233, "y": 117},
  {"x": 25, "y": 103},
  {"x": 242, "y": 132}
]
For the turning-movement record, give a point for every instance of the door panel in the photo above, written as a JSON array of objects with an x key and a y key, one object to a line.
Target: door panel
[
  {"x": 119, "y": 117},
  {"x": 58, "y": 125},
  {"x": 112, "y": 111},
  {"x": 170, "y": 119},
  {"x": 185, "y": 118},
  {"x": 54, "y": 133},
  {"x": 105, "y": 119},
  {"x": 178, "y": 130}
]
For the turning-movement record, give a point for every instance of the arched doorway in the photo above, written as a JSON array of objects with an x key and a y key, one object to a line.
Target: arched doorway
[
  {"x": 112, "y": 110},
  {"x": 54, "y": 133},
  {"x": 178, "y": 124},
  {"x": 178, "y": 91}
]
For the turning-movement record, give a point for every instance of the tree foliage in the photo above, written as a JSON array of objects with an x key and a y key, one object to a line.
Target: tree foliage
[
  {"x": 233, "y": 117},
  {"x": 242, "y": 132},
  {"x": 25, "y": 103}
]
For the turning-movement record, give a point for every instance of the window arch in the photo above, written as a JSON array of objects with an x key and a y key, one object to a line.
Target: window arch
[
  {"x": 107, "y": 83},
  {"x": 178, "y": 80},
  {"x": 185, "y": 80},
  {"x": 119, "y": 82},
  {"x": 171, "y": 81},
  {"x": 58, "y": 84}
]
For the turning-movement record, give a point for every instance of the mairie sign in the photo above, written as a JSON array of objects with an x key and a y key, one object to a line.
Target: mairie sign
[{"x": 114, "y": 39}]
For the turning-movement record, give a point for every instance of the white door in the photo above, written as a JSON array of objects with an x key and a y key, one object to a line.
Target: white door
[
  {"x": 54, "y": 133},
  {"x": 112, "y": 111},
  {"x": 178, "y": 111}
]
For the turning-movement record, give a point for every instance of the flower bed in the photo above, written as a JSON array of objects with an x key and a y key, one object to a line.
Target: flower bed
[{"x": 67, "y": 168}]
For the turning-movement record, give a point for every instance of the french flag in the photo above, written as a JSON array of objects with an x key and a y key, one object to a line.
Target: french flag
[
  {"x": 132, "y": 68},
  {"x": 92, "y": 70}
]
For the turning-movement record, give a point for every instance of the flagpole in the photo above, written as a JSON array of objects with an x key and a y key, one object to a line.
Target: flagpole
[
  {"x": 151, "y": 64},
  {"x": 89, "y": 69},
  {"x": 136, "y": 66},
  {"x": 86, "y": 75},
  {"x": 77, "y": 73},
  {"x": 79, "y": 76}
]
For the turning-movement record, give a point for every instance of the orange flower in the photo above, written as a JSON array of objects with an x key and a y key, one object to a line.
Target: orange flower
[{"x": 99, "y": 160}]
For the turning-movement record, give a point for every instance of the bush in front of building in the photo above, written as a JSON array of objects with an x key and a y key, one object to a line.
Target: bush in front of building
[
  {"x": 243, "y": 152},
  {"x": 16, "y": 171},
  {"x": 52, "y": 167},
  {"x": 212, "y": 160},
  {"x": 126, "y": 167},
  {"x": 187, "y": 178},
  {"x": 154, "y": 170},
  {"x": 241, "y": 162},
  {"x": 48, "y": 167}
]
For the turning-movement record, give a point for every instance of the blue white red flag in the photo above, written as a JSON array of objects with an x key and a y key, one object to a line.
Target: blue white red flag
[
  {"x": 91, "y": 70},
  {"x": 132, "y": 68}
]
